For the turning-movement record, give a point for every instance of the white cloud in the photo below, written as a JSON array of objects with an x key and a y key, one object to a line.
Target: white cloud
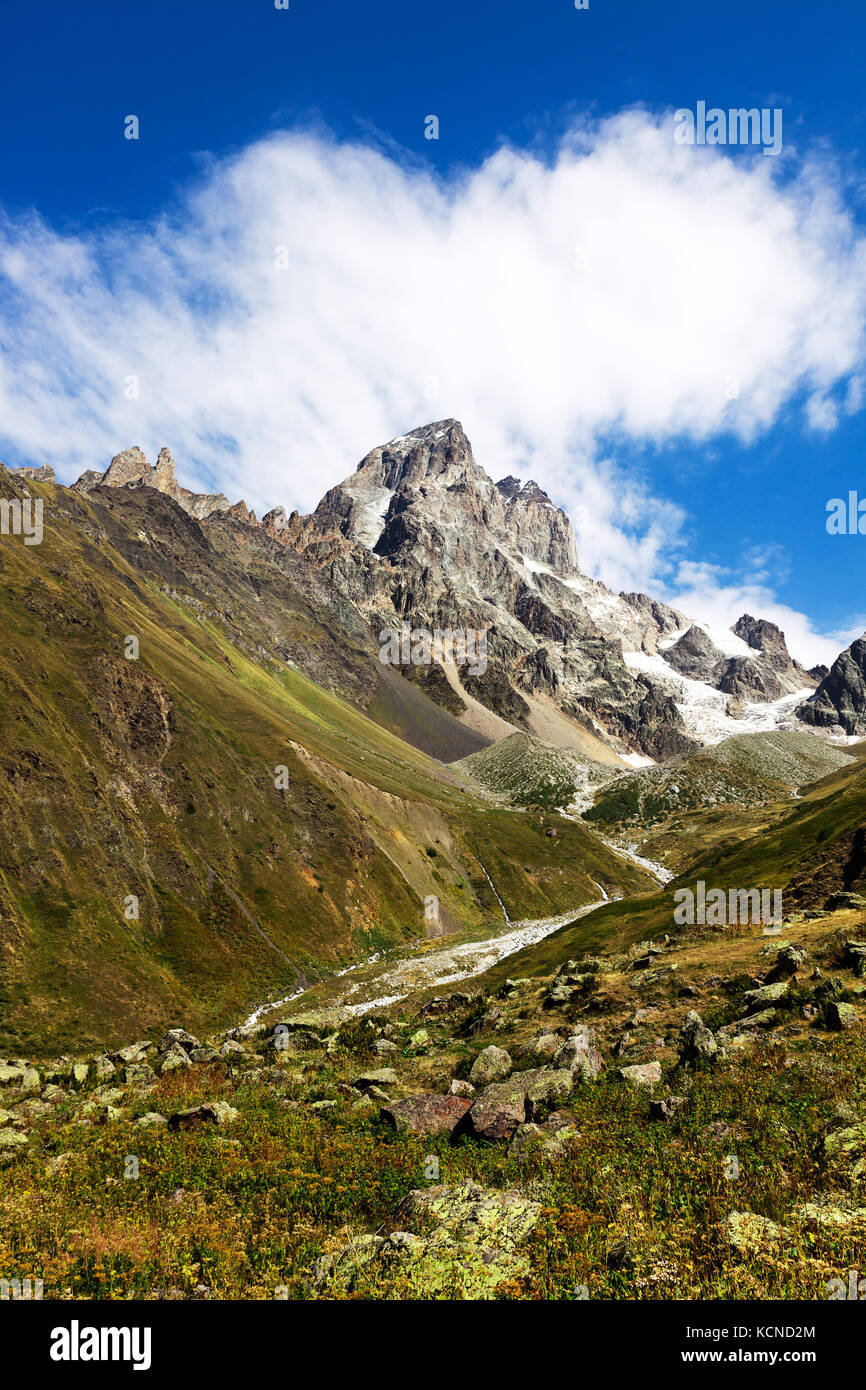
[{"x": 630, "y": 285}]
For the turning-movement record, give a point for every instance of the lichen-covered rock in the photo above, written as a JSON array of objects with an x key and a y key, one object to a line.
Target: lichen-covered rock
[
  {"x": 11, "y": 1140},
  {"x": 766, "y": 996},
  {"x": 177, "y": 1037},
  {"x": 139, "y": 1074},
  {"x": 542, "y": 1048},
  {"x": 384, "y": 1076},
  {"x": 173, "y": 1059},
  {"x": 578, "y": 1056},
  {"x": 461, "y": 1242},
  {"x": 648, "y": 978},
  {"x": 549, "y": 1141},
  {"x": 696, "y": 1042},
  {"x": 18, "y": 1076},
  {"x": 491, "y": 1064},
  {"x": 750, "y": 1233},
  {"x": 425, "y": 1114},
  {"x": 788, "y": 961},
  {"x": 134, "y": 1052},
  {"x": 827, "y": 1213},
  {"x": 841, "y": 1016},
  {"x": 642, "y": 1074},
  {"x": 461, "y": 1088},
  {"x": 765, "y": 1019},
  {"x": 849, "y": 1146},
  {"x": 500, "y": 1108},
  {"x": 103, "y": 1067}
]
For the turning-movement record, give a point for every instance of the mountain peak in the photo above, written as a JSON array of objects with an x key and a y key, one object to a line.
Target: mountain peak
[
  {"x": 438, "y": 451},
  {"x": 130, "y": 468}
]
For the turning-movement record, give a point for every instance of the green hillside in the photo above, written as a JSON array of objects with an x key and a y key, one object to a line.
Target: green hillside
[{"x": 154, "y": 778}]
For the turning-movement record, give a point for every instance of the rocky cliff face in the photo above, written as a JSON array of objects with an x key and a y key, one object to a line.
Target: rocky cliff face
[{"x": 839, "y": 703}]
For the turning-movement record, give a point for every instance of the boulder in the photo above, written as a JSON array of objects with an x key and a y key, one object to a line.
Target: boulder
[
  {"x": 750, "y": 1234},
  {"x": 133, "y": 1052},
  {"x": 549, "y": 1141},
  {"x": 461, "y": 1242},
  {"x": 173, "y": 1059},
  {"x": 499, "y": 1109},
  {"x": 765, "y": 1019},
  {"x": 215, "y": 1112},
  {"x": 384, "y": 1076},
  {"x": 492, "y": 1064},
  {"x": 177, "y": 1037},
  {"x": 138, "y": 1074},
  {"x": 461, "y": 1088},
  {"x": 578, "y": 1056},
  {"x": 643, "y": 1074},
  {"x": 11, "y": 1140},
  {"x": 425, "y": 1114},
  {"x": 840, "y": 1016},
  {"x": 849, "y": 1147},
  {"x": 542, "y": 1048},
  {"x": 788, "y": 961},
  {"x": 855, "y": 957},
  {"x": 696, "y": 1042},
  {"x": 765, "y": 997},
  {"x": 666, "y": 1110},
  {"x": 103, "y": 1067}
]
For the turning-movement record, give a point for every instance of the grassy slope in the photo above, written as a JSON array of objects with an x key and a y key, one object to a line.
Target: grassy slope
[
  {"x": 133, "y": 777},
  {"x": 748, "y": 770},
  {"x": 787, "y": 849}
]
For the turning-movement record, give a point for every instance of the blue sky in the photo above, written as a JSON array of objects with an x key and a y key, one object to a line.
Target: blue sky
[{"x": 720, "y": 506}]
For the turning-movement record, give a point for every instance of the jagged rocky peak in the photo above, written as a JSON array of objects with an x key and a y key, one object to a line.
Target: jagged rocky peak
[
  {"x": 541, "y": 530},
  {"x": 757, "y": 669},
  {"x": 437, "y": 451},
  {"x": 33, "y": 474},
  {"x": 276, "y": 520},
  {"x": 839, "y": 703},
  {"x": 694, "y": 654},
  {"x": 420, "y": 489},
  {"x": 130, "y": 468},
  {"x": 761, "y": 635},
  {"x": 509, "y": 487}
]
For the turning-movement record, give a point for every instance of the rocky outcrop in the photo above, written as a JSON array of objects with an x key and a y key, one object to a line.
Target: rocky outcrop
[
  {"x": 694, "y": 655},
  {"x": 767, "y": 675},
  {"x": 840, "y": 700},
  {"x": 35, "y": 475},
  {"x": 130, "y": 468}
]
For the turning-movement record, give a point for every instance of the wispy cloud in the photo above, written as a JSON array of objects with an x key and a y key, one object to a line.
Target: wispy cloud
[{"x": 628, "y": 285}]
